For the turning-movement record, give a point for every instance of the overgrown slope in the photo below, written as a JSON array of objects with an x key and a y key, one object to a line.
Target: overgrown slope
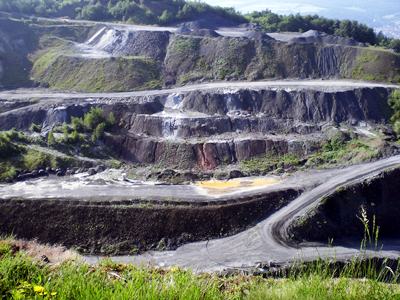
[{"x": 178, "y": 60}]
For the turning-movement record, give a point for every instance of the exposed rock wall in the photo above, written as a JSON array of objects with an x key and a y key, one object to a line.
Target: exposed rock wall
[
  {"x": 207, "y": 155},
  {"x": 215, "y": 127},
  {"x": 16, "y": 41},
  {"x": 181, "y": 59},
  {"x": 113, "y": 227},
  {"x": 191, "y": 59},
  {"x": 337, "y": 215},
  {"x": 307, "y": 105}
]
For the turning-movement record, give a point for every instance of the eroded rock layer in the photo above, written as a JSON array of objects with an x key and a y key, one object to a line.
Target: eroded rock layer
[{"x": 212, "y": 127}]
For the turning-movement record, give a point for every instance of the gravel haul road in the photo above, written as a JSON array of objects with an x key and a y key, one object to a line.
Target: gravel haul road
[
  {"x": 323, "y": 85},
  {"x": 268, "y": 241}
]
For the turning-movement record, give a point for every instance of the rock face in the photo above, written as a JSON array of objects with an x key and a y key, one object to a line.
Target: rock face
[
  {"x": 130, "y": 43},
  {"x": 16, "y": 41},
  {"x": 116, "y": 227},
  {"x": 207, "y": 129},
  {"x": 194, "y": 55},
  {"x": 338, "y": 215},
  {"x": 118, "y": 58}
]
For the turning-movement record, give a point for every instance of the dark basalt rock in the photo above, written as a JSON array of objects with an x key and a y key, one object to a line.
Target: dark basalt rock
[{"x": 337, "y": 215}]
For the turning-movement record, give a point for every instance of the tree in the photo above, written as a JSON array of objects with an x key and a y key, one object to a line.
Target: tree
[
  {"x": 94, "y": 12},
  {"x": 98, "y": 132},
  {"x": 165, "y": 17},
  {"x": 51, "y": 139},
  {"x": 395, "y": 45},
  {"x": 94, "y": 117}
]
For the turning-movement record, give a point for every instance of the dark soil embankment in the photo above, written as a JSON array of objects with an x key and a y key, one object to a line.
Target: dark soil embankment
[
  {"x": 338, "y": 215},
  {"x": 123, "y": 227}
]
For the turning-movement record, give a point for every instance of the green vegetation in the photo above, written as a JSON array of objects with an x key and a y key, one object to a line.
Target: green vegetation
[
  {"x": 264, "y": 164},
  {"x": 15, "y": 155},
  {"x": 339, "y": 150},
  {"x": 8, "y": 146},
  {"x": 144, "y": 12},
  {"x": 185, "y": 46},
  {"x": 51, "y": 141},
  {"x": 22, "y": 277},
  {"x": 7, "y": 171},
  {"x": 395, "y": 45},
  {"x": 20, "y": 152},
  {"x": 36, "y": 160},
  {"x": 168, "y": 12},
  {"x": 35, "y": 128},
  {"x": 83, "y": 132},
  {"x": 394, "y": 102},
  {"x": 100, "y": 75},
  {"x": 9, "y": 149},
  {"x": 371, "y": 64},
  {"x": 272, "y": 22}
]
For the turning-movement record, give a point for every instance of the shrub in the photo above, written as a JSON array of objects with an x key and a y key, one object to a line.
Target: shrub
[
  {"x": 77, "y": 124},
  {"x": 7, "y": 147},
  {"x": 35, "y": 160},
  {"x": 93, "y": 118},
  {"x": 16, "y": 136},
  {"x": 65, "y": 131},
  {"x": 7, "y": 172},
  {"x": 98, "y": 132},
  {"x": 35, "y": 128},
  {"x": 51, "y": 141},
  {"x": 395, "y": 45},
  {"x": 74, "y": 137}
]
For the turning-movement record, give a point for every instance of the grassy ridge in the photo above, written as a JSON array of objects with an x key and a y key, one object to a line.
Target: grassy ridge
[{"x": 98, "y": 75}]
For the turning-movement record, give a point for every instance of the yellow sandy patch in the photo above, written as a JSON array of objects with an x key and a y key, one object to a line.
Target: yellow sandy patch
[{"x": 228, "y": 186}]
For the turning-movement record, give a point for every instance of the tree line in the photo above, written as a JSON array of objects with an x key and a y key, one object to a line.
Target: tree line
[
  {"x": 167, "y": 12},
  {"x": 271, "y": 22},
  {"x": 135, "y": 11}
]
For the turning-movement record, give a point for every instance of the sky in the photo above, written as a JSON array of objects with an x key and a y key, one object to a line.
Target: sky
[{"x": 380, "y": 14}]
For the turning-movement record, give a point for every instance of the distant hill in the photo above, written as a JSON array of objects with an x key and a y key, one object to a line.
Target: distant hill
[{"x": 163, "y": 12}]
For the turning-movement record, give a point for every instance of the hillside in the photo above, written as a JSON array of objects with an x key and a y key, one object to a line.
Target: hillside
[
  {"x": 138, "y": 11},
  {"x": 93, "y": 56}
]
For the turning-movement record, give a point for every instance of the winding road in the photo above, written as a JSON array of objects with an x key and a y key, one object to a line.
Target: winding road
[
  {"x": 322, "y": 85},
  {"x": 268, "y": 241}
]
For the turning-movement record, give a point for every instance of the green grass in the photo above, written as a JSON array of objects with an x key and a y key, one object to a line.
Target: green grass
[
  {"x": 15, "y": 155},
  {"x": 371, "y": 64},
  {"x": 334, "y": 152},
  {"x": 268, "y": 163},
  {"x": 67, "y": 72},
  {"x": 185, "y": 45},
  {"x": 23, "y": 278}
]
